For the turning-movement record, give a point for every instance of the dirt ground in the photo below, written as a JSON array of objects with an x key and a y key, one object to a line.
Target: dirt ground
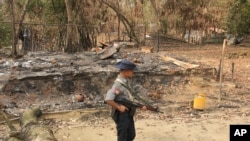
[{"x": 179, "y": 122}]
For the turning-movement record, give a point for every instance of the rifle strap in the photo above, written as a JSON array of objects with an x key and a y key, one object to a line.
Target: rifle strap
[
  {"x": 132, "y": 93},
  {"x": 129, "y": 91}
]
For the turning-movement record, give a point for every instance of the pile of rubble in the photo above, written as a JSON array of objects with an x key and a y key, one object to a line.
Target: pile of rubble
[{"x": 51, "y": 80}]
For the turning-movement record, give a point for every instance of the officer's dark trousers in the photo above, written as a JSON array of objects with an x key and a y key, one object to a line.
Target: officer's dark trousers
[{"x": 125, "y": 127}]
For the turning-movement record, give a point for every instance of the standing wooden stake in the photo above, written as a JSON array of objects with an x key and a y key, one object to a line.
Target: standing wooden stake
[
  {"x": 218, "y": 73},
  {"x": 221, "y": 68},
  {"x": 158, "y": 41},
  {"x": 232, "y": 71}
]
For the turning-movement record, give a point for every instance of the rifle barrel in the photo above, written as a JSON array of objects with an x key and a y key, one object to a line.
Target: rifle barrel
[{"x": 131, "y": 104}]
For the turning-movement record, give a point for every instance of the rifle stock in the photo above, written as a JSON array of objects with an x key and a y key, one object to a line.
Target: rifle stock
[{"x": 131, "y": 104}]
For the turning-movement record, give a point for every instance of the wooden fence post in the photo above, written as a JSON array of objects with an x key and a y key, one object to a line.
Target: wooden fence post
[{"x": 221, "y": 68}]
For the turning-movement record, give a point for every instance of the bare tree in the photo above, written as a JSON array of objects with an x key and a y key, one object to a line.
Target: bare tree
[
  {"x": 17, "y": 22},
  {"x": 127, "y": 24},
  {"x": 69, "y": 41}
]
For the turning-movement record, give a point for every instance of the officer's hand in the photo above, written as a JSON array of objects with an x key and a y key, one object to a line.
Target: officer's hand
[
  {"x": 122, "y": 108},
  {"x": 144, "y": 107}
]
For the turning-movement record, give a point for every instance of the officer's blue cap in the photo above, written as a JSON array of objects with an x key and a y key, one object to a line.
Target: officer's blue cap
[{"x": 126, "y": 65}]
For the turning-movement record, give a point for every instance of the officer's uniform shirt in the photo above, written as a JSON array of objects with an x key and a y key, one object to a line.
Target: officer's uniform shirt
[{"x": 119, "y": 89}]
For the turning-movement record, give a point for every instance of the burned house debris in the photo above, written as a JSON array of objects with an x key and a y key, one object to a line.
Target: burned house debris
[{"x": 51, "y": 80}]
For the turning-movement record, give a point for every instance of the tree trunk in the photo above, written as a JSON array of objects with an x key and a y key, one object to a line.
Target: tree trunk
[
  {"x": 13, "y": 51},
  {"x": 17, "y": 30},
  {"x": 189, "y": 32},
  {"x": 119, "y": 29},
  {"x": 119, "y": 22},
  {"x": 156, "y": 10},
  {"x": 69, "y": 45}
]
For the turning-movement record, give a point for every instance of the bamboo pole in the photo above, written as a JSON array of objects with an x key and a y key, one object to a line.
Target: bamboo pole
[{"x": 221, "y": 68}]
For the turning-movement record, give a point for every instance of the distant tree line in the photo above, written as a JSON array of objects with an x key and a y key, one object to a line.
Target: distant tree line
[
  {"x": 79, "y": 22},
  {"x": 238, "y": 19}
]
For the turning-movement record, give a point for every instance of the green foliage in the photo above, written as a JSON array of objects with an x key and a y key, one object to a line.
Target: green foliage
[
  {"x": 55, "y": 12},
  {"x": 36, "y": 8},
  {"x": 164, "y": 25},
  {"x": 238, "y": 20},
  {"x": 5, "y": 33},
  {"x": 5, "y": 28},
  {"x": 52, "y": 11}
]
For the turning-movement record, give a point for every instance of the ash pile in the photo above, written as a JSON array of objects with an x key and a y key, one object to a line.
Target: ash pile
[{"x": 52, "y": 80}]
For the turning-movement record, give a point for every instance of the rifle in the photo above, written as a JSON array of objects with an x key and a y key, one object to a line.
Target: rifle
[{"x": 131, "y": 104}]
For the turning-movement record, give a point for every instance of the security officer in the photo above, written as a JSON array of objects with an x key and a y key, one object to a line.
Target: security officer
[{"x": 123, "y": 116}]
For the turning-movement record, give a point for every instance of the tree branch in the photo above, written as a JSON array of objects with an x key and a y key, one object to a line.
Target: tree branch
[{"x": 124, "y": 20}]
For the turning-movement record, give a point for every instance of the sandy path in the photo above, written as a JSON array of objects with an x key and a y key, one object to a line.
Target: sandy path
[{"x": 211, "y": 127}]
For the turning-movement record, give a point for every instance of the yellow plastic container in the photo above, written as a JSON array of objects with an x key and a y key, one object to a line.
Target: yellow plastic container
[{"x": 199, "y": 102}]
